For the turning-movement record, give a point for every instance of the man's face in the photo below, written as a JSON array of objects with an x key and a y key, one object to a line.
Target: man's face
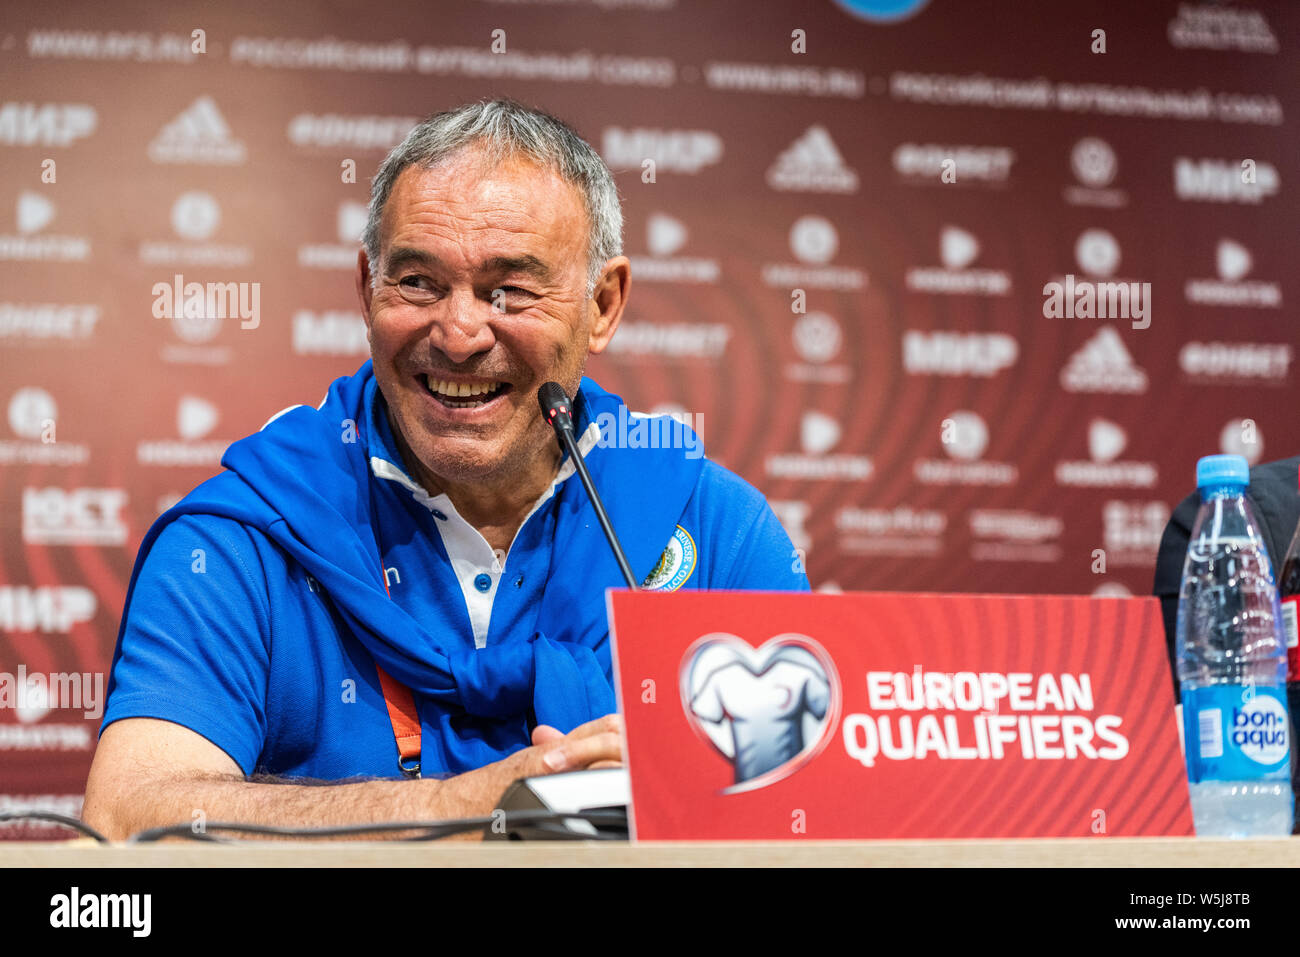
[{"x": 480, "y": 300}]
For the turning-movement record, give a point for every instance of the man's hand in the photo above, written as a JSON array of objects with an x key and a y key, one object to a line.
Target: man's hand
[{"x": 596, "y": 744}]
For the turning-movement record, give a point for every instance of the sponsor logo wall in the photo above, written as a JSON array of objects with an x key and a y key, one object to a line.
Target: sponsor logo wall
[{"x": 964, "y": 319}]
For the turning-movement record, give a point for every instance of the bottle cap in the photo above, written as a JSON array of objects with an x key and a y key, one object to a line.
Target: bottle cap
[{"x": 1215, "y": 470}]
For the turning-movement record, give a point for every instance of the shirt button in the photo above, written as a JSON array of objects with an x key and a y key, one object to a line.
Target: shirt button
[
  {"x": 439, "y": 516},
  {"x": 483, "y": 581}
]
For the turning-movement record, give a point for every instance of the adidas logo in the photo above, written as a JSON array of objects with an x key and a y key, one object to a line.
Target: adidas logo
[
  {"x": 1103, "y": 364},
  {"x": 198, "y": 135},
  {"x": 812, "y": 164}
]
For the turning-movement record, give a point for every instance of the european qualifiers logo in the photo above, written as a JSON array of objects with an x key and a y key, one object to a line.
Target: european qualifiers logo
[
  {"x": 814, "y": 241},
  {"x": 1055, "y": 719},
  {"x": 1233, "y": 262},
  {"x": 1100, "y": 297},
  {"x": 767, "y": 711},
  {"x": 32, "y": 213},
  {"x": 665, "y": 235}
]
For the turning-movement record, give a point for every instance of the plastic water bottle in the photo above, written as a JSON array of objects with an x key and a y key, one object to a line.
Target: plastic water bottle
[{"x": 1232, "y": 665}]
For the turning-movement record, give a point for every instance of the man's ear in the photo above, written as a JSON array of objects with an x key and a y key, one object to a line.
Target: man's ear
[
  {"x": 608, "y": 301},
  {"x": 364, "y": 292}
]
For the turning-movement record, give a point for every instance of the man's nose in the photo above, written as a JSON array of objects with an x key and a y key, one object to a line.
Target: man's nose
[{"x": 464, "y": 329}]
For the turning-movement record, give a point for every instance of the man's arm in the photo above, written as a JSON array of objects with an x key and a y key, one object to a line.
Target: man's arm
[{"x": 150, "y": 773}]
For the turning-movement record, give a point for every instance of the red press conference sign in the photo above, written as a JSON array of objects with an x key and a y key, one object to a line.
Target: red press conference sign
[{"x": 770, "y": 716}]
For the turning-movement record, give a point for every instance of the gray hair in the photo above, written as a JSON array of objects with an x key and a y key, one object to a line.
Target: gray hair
[{"x": 504, "y": 128}]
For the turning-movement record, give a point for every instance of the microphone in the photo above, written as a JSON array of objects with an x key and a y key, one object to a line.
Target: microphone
[{"x": 556, "y": 410}]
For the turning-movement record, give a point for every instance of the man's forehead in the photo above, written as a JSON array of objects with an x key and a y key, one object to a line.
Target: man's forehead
[{"x": 515, "y": 194}]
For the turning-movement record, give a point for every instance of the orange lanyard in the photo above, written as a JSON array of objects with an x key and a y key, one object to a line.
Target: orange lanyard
[{"x": 402, "y": 713}]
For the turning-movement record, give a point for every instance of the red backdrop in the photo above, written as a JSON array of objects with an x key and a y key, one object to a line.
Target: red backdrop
[{"x": 923, "y": 423}]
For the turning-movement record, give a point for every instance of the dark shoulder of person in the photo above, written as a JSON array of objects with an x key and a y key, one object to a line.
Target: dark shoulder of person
[{"x": 1275, "y": 500}]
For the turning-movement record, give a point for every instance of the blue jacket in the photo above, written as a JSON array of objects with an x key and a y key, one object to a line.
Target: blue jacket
[{"x": 258, "y": 605}]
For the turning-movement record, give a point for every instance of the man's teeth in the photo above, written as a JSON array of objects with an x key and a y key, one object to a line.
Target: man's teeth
[{"x": 454, "y": 390}]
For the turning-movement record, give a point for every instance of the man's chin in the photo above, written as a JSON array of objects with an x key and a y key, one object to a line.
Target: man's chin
[{"x": 449, "y": 464}]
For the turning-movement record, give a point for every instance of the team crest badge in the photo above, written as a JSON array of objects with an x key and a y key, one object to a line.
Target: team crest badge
[{"x": 675, "y": 565}]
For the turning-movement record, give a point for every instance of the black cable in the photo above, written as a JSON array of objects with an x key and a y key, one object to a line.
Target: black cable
[
  {"x": 63, "y": 819},
  {"x": 434, "y": 830}
]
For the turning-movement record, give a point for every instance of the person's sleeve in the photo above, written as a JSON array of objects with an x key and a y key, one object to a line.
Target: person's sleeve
[
  {"x": 194, "y": 649},
  {"x": 752, "y": 551},
  {"x": 1169, "y": 570}
]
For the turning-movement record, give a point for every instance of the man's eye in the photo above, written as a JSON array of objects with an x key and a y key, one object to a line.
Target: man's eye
[{"x": 414, "y": 282}]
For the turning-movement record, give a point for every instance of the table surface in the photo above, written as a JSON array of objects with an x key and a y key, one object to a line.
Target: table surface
[{"x": 1074, "y": 852}]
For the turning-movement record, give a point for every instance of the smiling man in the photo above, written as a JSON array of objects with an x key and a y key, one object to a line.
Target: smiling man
[{"x": 400, "y": 592}]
